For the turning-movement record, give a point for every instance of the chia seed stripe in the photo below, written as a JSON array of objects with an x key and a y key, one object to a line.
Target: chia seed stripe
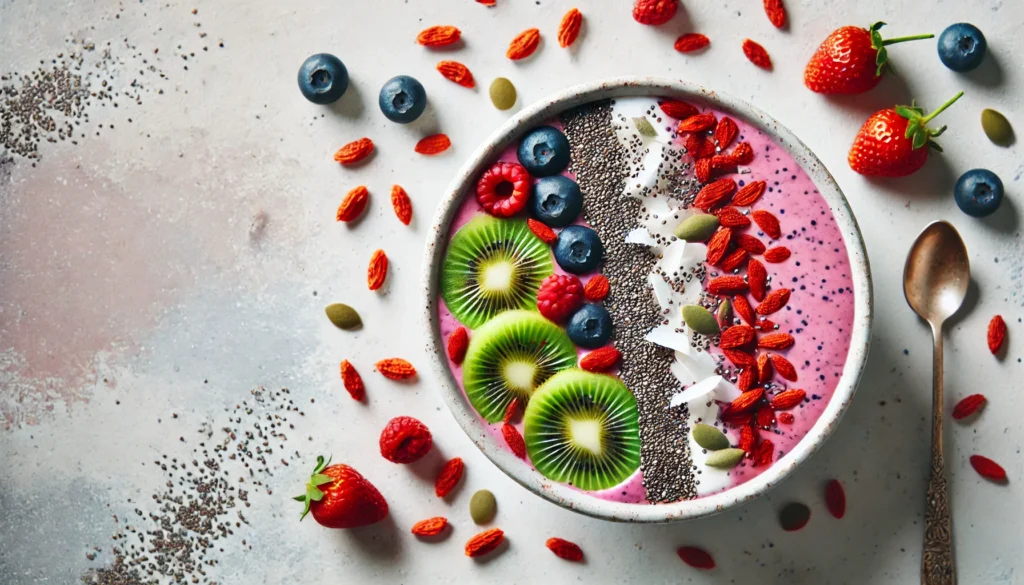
[{"x": 600, "y": 165}]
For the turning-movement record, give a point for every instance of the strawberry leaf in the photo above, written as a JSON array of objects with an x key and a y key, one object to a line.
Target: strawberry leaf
[
  {"x": 935, "y": 146},
  {"x": 319, "y": 479},
  {"x": 937, "y": 132},
  {"x": 912, "y": 127},
  {"x": 881, "y": 60},
  {"x": 920, "y": 138},
  {"x": 313, "y": 493},
  {"x": 908, "y": 112}
]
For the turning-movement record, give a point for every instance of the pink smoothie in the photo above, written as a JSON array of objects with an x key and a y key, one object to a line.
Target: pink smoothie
[
  {"x": 819, "y": 314},
  {"x": 821, "y": 309}
]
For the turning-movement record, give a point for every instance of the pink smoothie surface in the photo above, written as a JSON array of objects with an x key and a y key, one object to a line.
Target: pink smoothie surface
[
  {"x": 821, "y": 307},
  {"x": 819, "y": 314}
]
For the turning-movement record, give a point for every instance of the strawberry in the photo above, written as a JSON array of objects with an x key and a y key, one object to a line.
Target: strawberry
[
  {"x": 892, "y": 141},
  {"x": 339, "y": 497},
  {"x": 851, "y": 60}
]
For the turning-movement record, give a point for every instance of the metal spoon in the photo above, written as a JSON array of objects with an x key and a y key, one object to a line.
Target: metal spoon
[{"x": 935, "y": 281}]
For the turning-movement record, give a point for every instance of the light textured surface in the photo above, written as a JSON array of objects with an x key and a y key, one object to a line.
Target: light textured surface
[{"x": 170, "y": 264}]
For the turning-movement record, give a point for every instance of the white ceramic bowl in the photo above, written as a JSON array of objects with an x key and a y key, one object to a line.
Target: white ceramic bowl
[{"x": 564, "y": 495}]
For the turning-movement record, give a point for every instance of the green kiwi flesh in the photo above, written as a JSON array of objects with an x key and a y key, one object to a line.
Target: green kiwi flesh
[
  {"x": 509, "y": 357},
  {"x": 493, "y": 265},
  {"x": 583, "y": 429}
]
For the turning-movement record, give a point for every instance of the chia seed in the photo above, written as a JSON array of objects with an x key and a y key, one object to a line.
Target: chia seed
[
  {"x": 200, "y": 500},
  {"x": 602, "y": 168}
]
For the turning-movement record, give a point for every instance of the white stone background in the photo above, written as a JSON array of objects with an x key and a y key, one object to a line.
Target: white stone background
[{"x": 129, "y": 258}]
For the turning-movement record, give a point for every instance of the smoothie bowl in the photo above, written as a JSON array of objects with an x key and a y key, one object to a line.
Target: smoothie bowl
[{"x": 647, "y": 301}]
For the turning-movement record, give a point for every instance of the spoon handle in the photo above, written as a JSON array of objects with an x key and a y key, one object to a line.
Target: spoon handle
[{"x": 937, "y": 566}]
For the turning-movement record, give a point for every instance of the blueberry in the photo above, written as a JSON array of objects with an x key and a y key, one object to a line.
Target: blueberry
[
  {"x": 544, "y": 151},
  {"x": 323, "y": 78},
  {"x": 556, "y": 201},
  {"x": 590, "y": 327},
  {"x": 578, "y": 249},
  {"x": 978, "y": 192},
  {"x": 402, "y": 99},
  {"x": 961, "y": 47}
]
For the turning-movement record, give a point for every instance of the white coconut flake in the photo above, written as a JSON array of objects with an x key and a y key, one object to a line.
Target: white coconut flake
[
  {"x": 641, "y": 236},
  {"x": 669, "y": 337},
  {"x": 696, "y": 391}
]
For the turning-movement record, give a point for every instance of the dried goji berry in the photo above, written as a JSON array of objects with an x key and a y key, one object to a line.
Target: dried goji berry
[
  {"x": 434, "y": 144},
  {"x": 354, "y": 152},
  {"x": 449, "y": 477},
  {"x": 996, "y": 334},
  {"x": 430, "y": 526},
  {"x": 968, "y": 406},
  {"x": 696, "y": 557},
  {"x": 458, "y": 342},
  {"x": 484, "y": 542},
  {"x": 757, "y": 55},
  {"x": 569, "y": 28},
  {"x": 524, "y": 44},
  {"x": 835, "y": 498},
  {"x": 352, "y": 381},
  {"x": 401, "y": 203},
  {"x": 690, "y": 42},
  {"x": 457, "y": 73},
  {"x": 564, "y": 549}
]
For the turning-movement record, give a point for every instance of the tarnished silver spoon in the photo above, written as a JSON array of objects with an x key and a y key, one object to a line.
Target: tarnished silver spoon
[{"x": 935, "y": 281}]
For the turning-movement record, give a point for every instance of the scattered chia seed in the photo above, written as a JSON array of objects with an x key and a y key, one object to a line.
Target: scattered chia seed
[
  {"x": 200, "y": 504},
  {"x": 597, "y": 161}
]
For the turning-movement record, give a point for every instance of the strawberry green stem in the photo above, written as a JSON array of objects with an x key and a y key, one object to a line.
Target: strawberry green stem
[
  {"x": 893, "y": 41},
  {"x": 948, "y": 103}
]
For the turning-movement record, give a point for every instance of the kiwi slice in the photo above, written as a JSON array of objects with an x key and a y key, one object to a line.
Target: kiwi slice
[
  {"x": 493, "y": 265},
  {"x": 583, "y": 429},
  {"x": 509, "y": 357}
]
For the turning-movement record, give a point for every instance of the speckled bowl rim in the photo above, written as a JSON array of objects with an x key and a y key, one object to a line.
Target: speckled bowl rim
[{"x": 564, "y": 495}]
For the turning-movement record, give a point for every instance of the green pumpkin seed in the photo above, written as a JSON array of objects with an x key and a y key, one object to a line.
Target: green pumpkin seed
[
  {"x": 709, "y": 437},
  {"x": 343, "y": 316},
  {"x": 700, "y": 320},
  {"x": 482, "y": 507},
  {"x": 697, "y": 228},
  {"x": 996, "y": 127},
  {"x": 503, "y": 93},
  {"x": 724, "y": 312},
  {"x": 725, "y": 459},
  {"x": 644, "y": 127},
  {"x": 794, "y": 516}
]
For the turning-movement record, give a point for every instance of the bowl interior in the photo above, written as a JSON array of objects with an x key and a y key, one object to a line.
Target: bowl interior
[{"x": 564, "y": 495}]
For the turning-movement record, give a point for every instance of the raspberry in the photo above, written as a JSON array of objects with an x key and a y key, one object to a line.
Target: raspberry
[
  {"x": 559, "y": 296},
  {"x": 503, "y": 189},
  {"x": 405, "y": 440}
]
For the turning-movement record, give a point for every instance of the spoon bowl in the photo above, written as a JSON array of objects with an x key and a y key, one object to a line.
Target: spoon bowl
[{"x": 937, "y": 273}]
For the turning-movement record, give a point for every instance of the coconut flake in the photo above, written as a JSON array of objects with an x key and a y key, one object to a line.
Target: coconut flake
[
  {"x": 669, "y": 337},
  {"x": 641, "y": 236},
  {"x": 696, "y": 391}
]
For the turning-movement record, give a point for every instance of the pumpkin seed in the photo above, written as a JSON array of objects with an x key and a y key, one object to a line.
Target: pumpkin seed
[
  {"x": 724, "y": 312},
  {"x": 503, "y": 93},
  {"x": 343, "y": 316},
  {"x": 996, "y": 127},
  {"x": 482, "y": 507},
  {"x": 794, "y": 516},
  {"x": 725, "y": 459},
  {"x": 644, "y": 127},
  {"x": 709, "y": 437},
  {"x": 697, "y": 228},
  {"x": 700, "y": 320}
]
